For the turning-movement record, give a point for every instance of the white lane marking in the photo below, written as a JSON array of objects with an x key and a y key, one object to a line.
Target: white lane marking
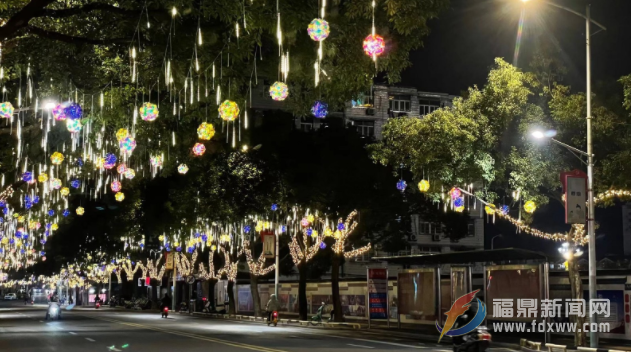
[
  {"x": 89, "y": 339},
  {"x": 113, "y": 348},
  {"x": 41, "y": 321},
  {"x": 381, "y": 342},
  {"x": 72, "y": 333},
  {"x": 350, "y": 344}
]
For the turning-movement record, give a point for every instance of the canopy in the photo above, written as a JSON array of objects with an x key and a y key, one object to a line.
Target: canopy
[{"x": 466, "y": 257}]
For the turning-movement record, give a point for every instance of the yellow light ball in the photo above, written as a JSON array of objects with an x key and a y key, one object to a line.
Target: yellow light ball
[
  {"x": 311, "y": 218},
  {"x": 119, "y": 196},
  {"x": 161, "y": 238},
  {"x": 21, "y": 218},
  {"x": 121, "y": 134},
  {"x": 205, "y": 131},
  {"x": 57, "y": 158},
  {"x": 328, "y": 232},
  {"x": 459, "y": 209},
  {"x": 80, "y": 211},
  {"x": 530, "y": 207},
  {"x": 490, "y": 209},
  {"x": 423, "y": 186},
  {"x": 43, "y": 177},
  {"x": 213, "y": 247},
  {"x": 64, "y": 191},
  {"x": 54, "y": 227}
]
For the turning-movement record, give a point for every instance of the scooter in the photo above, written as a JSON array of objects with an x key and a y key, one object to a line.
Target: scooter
[
  {"x": 53, "y": 312},
  {"x": 274, "y": 319},
  {"x": 97, "y": 305},
  {"x": 165, "y": 312},
  {"x": 477, "y": 340}
]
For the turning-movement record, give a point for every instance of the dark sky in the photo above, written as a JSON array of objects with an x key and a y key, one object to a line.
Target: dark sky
[{"x": 467, "y": 38}]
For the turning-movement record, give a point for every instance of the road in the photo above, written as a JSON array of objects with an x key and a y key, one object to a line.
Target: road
[{"x": 25, "y": 329}]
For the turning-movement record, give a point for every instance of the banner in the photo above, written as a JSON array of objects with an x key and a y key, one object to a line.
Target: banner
[
  {"x": 378, "y": 293},
  {"x": 168, "y": 260},
  {"x": 269, "y": 244},
  {"x": 575, "y": 190}
]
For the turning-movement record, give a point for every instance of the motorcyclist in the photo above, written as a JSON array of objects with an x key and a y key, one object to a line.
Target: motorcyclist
[
  {"x": 273, "y": 305},
  {"x": 463, "y": 320},
  {"x": 53, "y": 307}
]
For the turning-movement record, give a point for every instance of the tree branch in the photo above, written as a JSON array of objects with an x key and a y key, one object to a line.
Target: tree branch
[
  {"x": 84, "y": 9},
  {"x": 22, "y": 17},
  {"x": 73, "y": 40}
]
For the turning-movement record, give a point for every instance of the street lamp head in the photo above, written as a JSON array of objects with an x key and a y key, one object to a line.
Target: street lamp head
[{"x": 537, "y": 134}]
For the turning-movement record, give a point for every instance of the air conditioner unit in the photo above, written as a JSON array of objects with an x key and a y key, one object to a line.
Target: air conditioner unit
[
  {"x": 413, "y": 238},
  {"x": 436, "y": 238},
  {"x": 370, "y": 111}
]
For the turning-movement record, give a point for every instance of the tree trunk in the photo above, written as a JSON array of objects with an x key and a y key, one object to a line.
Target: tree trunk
[
  {"x": 232, "y": 309},
  {"x": 256, "y": 299},
  {"x": 302, "y": 290},
  {"x": 576, "y": 286},
  {"x": 335, "y": 289}
]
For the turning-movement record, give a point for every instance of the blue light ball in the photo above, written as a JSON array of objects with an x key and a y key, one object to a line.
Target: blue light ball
[
  {"x": 322, "y": 245},
  {"x": 190, "y": 249},
  {"x": 73, "y": 111},
  {"x": 283, "y": 229},
  {"x": 459, "y": 202},
  {"x": 36, "y": 199},
  {"x": 274, "y": 207},
  {"x": 204, "y": 237},
  {"x": 75, "y": 183},
  {"x": 46, "y": 233},
  {"x": 402, "y": 185},
  {"x": 110, "y": 159},
  {"x": 49, "y": 225},
  {"x": 42, "y": 241},
  {"x": 309, "y": 232},
  {"x": 66, "y": 213},
  {"x": 51, "y": 212},
  {"x": 246, "y": 228},
  {"x": 5, "y": 210},
  {"x": 3, "y": 203},
  {"x": 27, "y": 176},
  {"x": 79, "y": 162},
  {"x": 28, "y": 205},
  {"x": 341, "y": 226},
  {"x": 196, "y": 234},
  {"x": 179, "y": 249},
  {"x": 320, "y": 109},
  {"x": 504, "y": 209},
  {"x": 42, "y": 253}
]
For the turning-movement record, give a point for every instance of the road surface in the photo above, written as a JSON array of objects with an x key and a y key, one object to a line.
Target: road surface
[{"x": 23, "y": 328}]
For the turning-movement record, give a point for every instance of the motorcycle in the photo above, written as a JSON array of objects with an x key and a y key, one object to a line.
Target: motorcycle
[
  {"x": 165, "y": 312},
  {"x": 273, "y": 319},
  {"x": 477, "y": 340},
  {"x": 97, "y": 305},
  {"x": 53, "y": 312}
]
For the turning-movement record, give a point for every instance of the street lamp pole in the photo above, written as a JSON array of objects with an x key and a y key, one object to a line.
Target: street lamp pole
[{"x": 492, "y": 239}]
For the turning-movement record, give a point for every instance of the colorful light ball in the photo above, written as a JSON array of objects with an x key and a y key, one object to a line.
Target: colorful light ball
[
  {"x": 402, "y": 185},
  {"x": 279, "y": 91},
  {"x": 72, "y": 111},
  {"x": 121, "y": 168},
  {"x": 374, "y": 45},
  {"x": 28, "y": 177},
  {"x": 58, "y": 112},
  {"x": 119, "y": 196},
  {"x": 320, "y": 109},
  {"x": 229, "y": 110},
  {"x": 80, "y": 211},
  {"x": 341, "y": 226},
  {"x": 57, "y": 158},
  {"x": 121, "y": 133},
  {"x": 459, "y": 202},
  {"x": 6, "y": 110},
  {"x": 43, "y": 177},
  {"x": 99, "y": 162},
  {"x": 109, "y": 161},
  {"x": 127, "y": 145},
  {"x": 66, "y": 213},
  {"x": 318, "y": 29},
  {"x": 156, "y": 161},
  {"x": 459, "y": 209},
  {"x": 199, "y": 149},
  {"x": 304, "y": 222},
  {"x": 504, "y": 209},
  {"x": 205, "y": 131},
  {"x": 130, "y": 174},
  {"x": 274, "y": 207},
  {"x": 75, "y": 183},
  {"x": 51, "y": 212},
  {"x": 149, "y": 111},
  {"x": 64, "y": 191},
  {"x": 55, "y": 183},
  {"x": 490, "y": 209},
  {"x": 116, "y": 186},
  {"x": 455, "y": 193},
  {"x": 423, "y": 186},
  {"x": 73, "y": 126},
  {"x": 530, "y": 207},
  {"x": 182, "y": 169}
]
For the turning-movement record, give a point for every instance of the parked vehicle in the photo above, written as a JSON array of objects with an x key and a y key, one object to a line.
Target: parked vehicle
[{"x": 10, "y": 296}]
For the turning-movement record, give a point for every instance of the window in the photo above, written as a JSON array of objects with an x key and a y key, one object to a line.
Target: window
[
  {"x": 400, "y": 103},
  {"x": 424, "y": 228},
  {"x": 365, "y": 128},
  {"x": 428, "y": 106}
]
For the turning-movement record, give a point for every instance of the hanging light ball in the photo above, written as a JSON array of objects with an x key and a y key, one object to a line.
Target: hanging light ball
[
  {"x": 149, "y": 111},
  {"x": 109, "y": 161},
  {"x": 98, "y": 163},
  {"x": 121, "y": 133},
  {"x": 6, "y": 110},
  {"x": 57, "y": 158},
  {"x": 504, "y": 209},
  {"x": 55, "y": 183},
  {"x": 43, "y": 177},
  {"x": 51, "y": 212},
  {"x": 182, "y": 169},
  {"x": 490, "y": 209},
  {"x": 66, "y": 213},
  {"x": 318, "y": 29},
  {"x": 119, "y": 196},
  {"x": 72, "y": 111},
  {"x": 279, "y": 91},
  {"x": 459, "y": 202},
  {"x": 116, "y": 186},
  {"x": 28, "y": 177},
  {"x": 459, "y": 209},
  {"x": 304, "y": 222},
  {"x": 199, "y": 149},
  {"x": 64, "y": 191},
  {"x": 205, "y": 131},
  {"x": 455, "y": 193},
  {"x": 274, "y": 207},
  {"x": 423, "y": 186},
  {"x": 121, "y": 168},
  {"x": 530, "y": 207},
  {"x": 75, "y": 183},
  {"x": 322, "y": 245},
  {"x": 374, "y": 45},
  {"x": 402, "y": 185},
  {"x": 127, "y": 145},
  {"x": 130, "y": 174},
  {"x": 58, "y": 112},
  {"x": 156, "y": 161},
  {"x": 228, "y": 110},
  {"x": 320, "y": 109},
  {"x": 73, "y": 126},
  {"x": 80, "y": 211}
]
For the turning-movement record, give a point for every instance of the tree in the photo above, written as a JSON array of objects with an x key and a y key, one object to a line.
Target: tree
[{"x": 257, "y": 268}]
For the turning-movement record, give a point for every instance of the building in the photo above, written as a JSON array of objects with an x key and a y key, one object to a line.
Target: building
[{"x": 626, "y": 229}]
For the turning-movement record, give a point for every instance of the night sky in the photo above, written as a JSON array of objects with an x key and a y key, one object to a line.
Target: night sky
[{"x": 467, "y": 38}]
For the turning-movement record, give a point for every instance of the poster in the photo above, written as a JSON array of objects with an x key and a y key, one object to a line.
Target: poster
[
  {"x": 288, "y": 302},
  {"x": 378, "y": 293},
  {"x": 317, "y": 300},
  {"x": 616, "y": 309},
  {"x": 354, "y": 305},
  {"x": 169, "y": 260},
  {"x": 416, "y": 294},
  {"x": 269, "y": 244},
  {"x": 244, "y": 298},
  {"x": 575, "y": 195}
]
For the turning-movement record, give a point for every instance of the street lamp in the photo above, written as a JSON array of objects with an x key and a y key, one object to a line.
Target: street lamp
[
  {"x": 593, "y": 334},
  {"x": 492, "y": 239}
]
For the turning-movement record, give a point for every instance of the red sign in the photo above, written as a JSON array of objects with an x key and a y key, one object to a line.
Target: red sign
[{"x": 148, "y": 281}]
